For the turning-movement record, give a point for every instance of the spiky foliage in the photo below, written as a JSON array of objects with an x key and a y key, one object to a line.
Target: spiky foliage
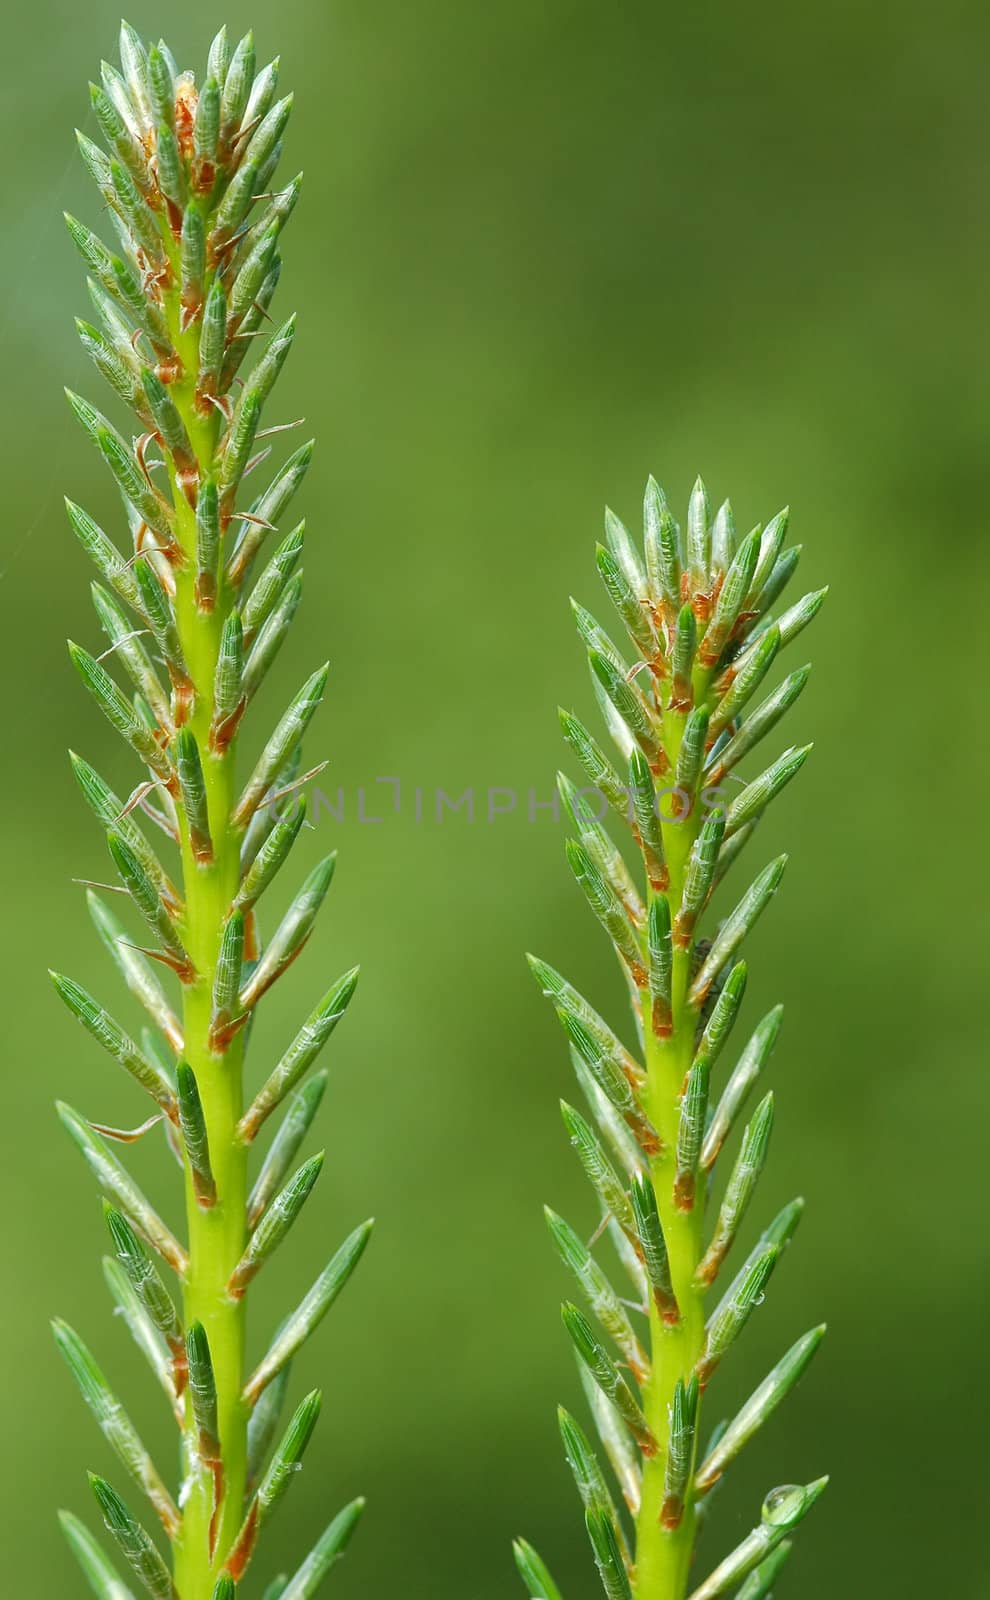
[
  {"x": 194, "y": 620},
  {"x": 700, "y": 610}
]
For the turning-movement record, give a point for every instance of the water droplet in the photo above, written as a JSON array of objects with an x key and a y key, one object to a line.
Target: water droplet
[{"x": 782, "y": 1506}]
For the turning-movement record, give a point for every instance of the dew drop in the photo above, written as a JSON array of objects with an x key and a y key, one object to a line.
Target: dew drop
[{"x": 782, "y": 1506}]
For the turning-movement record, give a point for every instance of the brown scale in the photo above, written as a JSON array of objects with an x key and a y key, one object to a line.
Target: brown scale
[
  {"x": 633, "y": 1073},
  {"x": 666, "y": 1304},
  {"x": 205, "y": 396},
  {"x": 154, "y": 276},
  {"x": 243, "y": 1549},
  {"x": 186, "y": 101},
  {"x": 283, "y": 966},
  {"x": 661, "y": 1019},
  {"x": 221, "y": 403},
  {"x": 137, "y": 799},
  {"x": 680, "y": 808},
  {"x": 184, "y": 970},
  {"x": 170, "y": 370},
  {"x": 201, "y": 846},
  {"x": 206, "y": 1194},
  {"x": 637, "y": 973},
  {"x": 183, "y": 700},
  {"x": 189, "y": 311},
  {"x": 704, "y": 1370},
  {"x": 174, "y": 216},
  {"x": 126, "y": 1135},
  {"x": 215, "y": 1464},
  {"x": 684, "y": 1191},
  {"x": 172, "y": 551},
  {"x": 205, "y": 592},
  {"x": 180, "y": 1365},
  {"x": 701, "y": 601},
  {"x": 683, "y": 929},
  {"x": 657, "y": 873},
  {"x": 708, "y": 1270},
  {"x": 671, "y": 1512},
  {"x": 660, "y": 763},
  {"x": 664, "y": 614},
  {"x": 224, "y": 1030},
  {"x": 186, "y": 473},
  {"x": 204, "y": 176},
  {"x": 187, "y": 477},
  {"x": 222, "y": 733},
  {"x": 681, "y": 695},
  {"x": 647, "y": 1444},
  {"x": 649, "y": 1140}
]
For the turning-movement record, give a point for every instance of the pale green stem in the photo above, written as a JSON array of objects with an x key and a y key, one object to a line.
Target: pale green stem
[
  {"x": 663, "y": 1556},
  {"x": 217, "y": 1236}
]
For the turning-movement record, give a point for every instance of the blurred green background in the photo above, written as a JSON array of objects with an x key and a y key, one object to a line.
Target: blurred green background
[{"x": 544, "y": 249}]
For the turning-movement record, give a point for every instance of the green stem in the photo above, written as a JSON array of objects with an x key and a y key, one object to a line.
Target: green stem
[
  {"x": 217, "y": 1235},
  {"x": 663, "y": 1555}
]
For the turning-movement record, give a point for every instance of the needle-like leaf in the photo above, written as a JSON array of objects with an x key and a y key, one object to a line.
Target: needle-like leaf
[
  {"x": 114, "y": 1424},
  {"x": 135, "y": 1545},
  {"x": 310, "y": 1311},
  {"x": 592, "y": 1354},
  {"x": 195, "y": 1136},
  {"x": 285, "y": 1463},
  {"x": 739, "y": 1191},
  {"x": 281, "y": 744},
  {"x": 120, "y": 1188},
  {"x": 601, "y": 1297},
  {"x": 653, "y": 1246},
  {"x": 291, "y": 933},
  {"x": 680, "y": 1452},
  {"x": 534, "y": 1572},
  {"x": 734, "y": 1310},
  {"x": 760, "y": 1406},
  {"x": 99, "y": 1573},
  {"x": 736, "y": 926},
  {"x": 147, "y": 1284},
  {"x": 115, "y": 1041},
  {"x": 744, "y": 1075},
  {"x": 275, "y": 1224},
  {"x": 783, "y": 1509},
  {"x": 608, "y": 1556},
  {"x": 301, "y": 1054},
  {"x": 329, "y": 1548},
  {"x": 118, "y": 713}
]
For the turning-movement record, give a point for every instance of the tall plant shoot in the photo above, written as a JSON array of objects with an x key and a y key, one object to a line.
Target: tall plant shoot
[
  {"x": 658, "y": 1138},
  {"x": 194, "y": 597}
]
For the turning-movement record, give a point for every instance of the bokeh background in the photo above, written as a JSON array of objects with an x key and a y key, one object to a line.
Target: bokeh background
[{"x": 543, "y": 249}]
